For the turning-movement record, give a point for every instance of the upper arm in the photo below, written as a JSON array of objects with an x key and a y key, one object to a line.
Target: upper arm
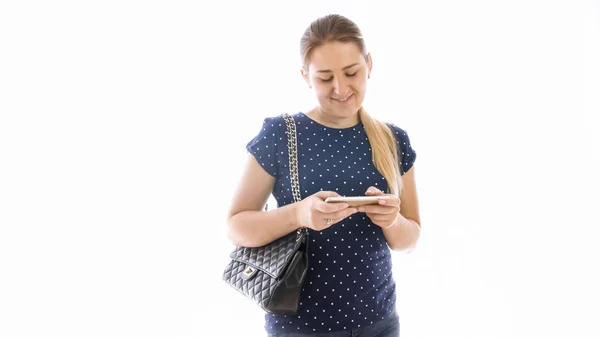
[
  {"x": 409, "y": 206},
  {"x": 253, "y": 189},
  {"x": 261, "y": 169},
  {"x": 407, "y": 155},
  {"x": 409, "y": 200}
]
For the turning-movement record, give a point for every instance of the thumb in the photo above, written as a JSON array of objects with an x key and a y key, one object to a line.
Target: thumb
[
  {"x": 372, "y": 190},
  {"x": 326, "y": 194}
]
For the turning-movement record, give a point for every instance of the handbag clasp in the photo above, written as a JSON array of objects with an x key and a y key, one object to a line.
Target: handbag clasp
[{"x": 248, "y": 273}]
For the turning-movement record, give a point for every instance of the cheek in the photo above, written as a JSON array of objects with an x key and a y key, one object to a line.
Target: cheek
[
  {"x": 360, "y": 83},
  {"x": 322, "y": 90}
]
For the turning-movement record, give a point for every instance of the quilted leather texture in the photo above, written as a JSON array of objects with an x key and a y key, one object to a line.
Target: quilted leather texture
[
  {"x": 270, "y": 260},
  {"x": 260, "y": 288},
  {"x": 272, "y": 275}
]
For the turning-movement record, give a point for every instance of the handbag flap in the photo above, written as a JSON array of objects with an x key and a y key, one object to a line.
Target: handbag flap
[{"x": 272, "y": 258}]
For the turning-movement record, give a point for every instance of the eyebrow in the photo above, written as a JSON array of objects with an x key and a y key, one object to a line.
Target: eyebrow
[{"x": 346, "y": 67}]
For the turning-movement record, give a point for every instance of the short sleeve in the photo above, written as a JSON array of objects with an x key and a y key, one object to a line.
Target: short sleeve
[
  {"x": 264, "y": 146},
  {"x": 405, "y": 151}
]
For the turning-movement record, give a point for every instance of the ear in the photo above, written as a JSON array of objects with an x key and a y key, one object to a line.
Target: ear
[
  {"x": 304, "y": 74},
  {"x": 369, "y": 64}
]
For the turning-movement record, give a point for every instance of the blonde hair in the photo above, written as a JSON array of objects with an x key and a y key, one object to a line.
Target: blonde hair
[{"x": 336, "y": 27}]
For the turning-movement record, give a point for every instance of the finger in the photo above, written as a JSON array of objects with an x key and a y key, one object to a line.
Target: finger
[
  {"x": 375, "y": 209},
  {"x": 325, "y": 207},
  {"x": 326, "y": 194},
  {"x": 389, "y": 201},
  {"x": 344, "y": 213},
  {"x": 324, "y": 223},
  {"x": 337, "y": 217},
  {"x": 372, "y": 190}
]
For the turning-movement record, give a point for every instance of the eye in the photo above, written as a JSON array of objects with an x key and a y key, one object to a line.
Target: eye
[{"x": 331, "y": 78}]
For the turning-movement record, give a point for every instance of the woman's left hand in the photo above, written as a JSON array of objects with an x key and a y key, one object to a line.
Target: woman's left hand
[{"x": 385, "y": 213}]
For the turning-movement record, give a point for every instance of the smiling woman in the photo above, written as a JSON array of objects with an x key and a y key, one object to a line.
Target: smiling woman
[
  {"x": 341, "y": 151},
  {"x": 116, "y": 130},
  {"x": 338, "y": 73}
]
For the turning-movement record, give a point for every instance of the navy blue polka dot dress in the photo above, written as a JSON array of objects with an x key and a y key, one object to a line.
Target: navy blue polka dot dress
[{"x": 349, "y": 283}]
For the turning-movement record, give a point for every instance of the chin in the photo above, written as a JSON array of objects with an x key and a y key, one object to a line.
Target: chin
[
  {"x": 341, "y": 110},
  {"x": 344, "y": 111}
]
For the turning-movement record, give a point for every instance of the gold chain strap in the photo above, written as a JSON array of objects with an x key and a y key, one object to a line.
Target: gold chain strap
[{"x": 293, "y": 162}]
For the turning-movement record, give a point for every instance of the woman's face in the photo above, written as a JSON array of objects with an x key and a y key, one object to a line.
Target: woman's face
[{"x": 338, "y": 74}]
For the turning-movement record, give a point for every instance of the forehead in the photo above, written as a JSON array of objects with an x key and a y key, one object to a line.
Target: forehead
[{"x": 334, "y": 56}]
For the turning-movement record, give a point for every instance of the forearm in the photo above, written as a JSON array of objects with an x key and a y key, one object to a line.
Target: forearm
[
  {"x": 403, "y": 234},
  {"x": 258, "y": 228}
]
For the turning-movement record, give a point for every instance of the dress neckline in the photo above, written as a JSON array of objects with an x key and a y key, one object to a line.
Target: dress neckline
[{"x": 353, "y": 127}]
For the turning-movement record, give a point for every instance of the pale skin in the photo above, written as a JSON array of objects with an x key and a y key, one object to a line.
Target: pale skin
[{"x": 337, "y": 73}]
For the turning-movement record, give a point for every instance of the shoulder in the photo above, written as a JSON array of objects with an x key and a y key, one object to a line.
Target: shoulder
[
  {"x": 273, "y": 130},
  {"x": 406, "y": 152},
  {"x": 276, "y": 124},
  {"x": 265, "y": 144},
  {"x": 400, "y": 133},
  {"x": 273, "y": 122},
  {"x": 272, "y": 127}
]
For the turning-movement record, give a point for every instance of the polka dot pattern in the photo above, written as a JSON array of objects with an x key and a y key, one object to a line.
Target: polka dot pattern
[{"x": 350, "y": 282}]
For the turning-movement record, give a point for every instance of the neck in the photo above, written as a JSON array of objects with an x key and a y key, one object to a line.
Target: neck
[{"x": 331, "y": 121}]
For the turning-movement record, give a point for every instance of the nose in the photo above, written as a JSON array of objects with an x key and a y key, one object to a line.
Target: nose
[{"x": 340, "y": 87}]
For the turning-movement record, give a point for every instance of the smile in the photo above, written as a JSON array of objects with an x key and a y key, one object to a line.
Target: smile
[{"x": 345, "y": 99}]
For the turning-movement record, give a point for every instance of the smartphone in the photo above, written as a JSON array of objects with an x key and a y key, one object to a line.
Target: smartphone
[{"x": 356, "y": 201}]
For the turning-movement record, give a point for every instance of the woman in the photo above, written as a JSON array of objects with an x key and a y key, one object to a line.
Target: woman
[{"x": 342, "y": 151}]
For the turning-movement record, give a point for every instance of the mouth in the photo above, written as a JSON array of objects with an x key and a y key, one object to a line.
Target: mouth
[{"x": 343, "y": 99}]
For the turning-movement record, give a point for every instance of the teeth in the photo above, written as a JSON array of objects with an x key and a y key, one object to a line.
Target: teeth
[{"x": 342, "y": 99}]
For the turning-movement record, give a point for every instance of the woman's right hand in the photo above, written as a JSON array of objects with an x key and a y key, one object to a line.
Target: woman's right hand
[{"x": 313, "y": 212}]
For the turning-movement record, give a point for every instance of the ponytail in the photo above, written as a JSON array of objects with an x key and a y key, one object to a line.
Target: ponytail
[{"x": 385, "y": 151}]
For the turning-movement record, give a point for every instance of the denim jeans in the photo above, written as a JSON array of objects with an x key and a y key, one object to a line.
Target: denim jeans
[{"x": 388, "y": 327}]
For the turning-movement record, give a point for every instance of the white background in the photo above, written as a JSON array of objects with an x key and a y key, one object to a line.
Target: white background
[{"x": 123, "y": 127}]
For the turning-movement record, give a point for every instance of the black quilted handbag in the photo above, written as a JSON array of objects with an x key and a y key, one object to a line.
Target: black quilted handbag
[{"x": 272, "y": 275}]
